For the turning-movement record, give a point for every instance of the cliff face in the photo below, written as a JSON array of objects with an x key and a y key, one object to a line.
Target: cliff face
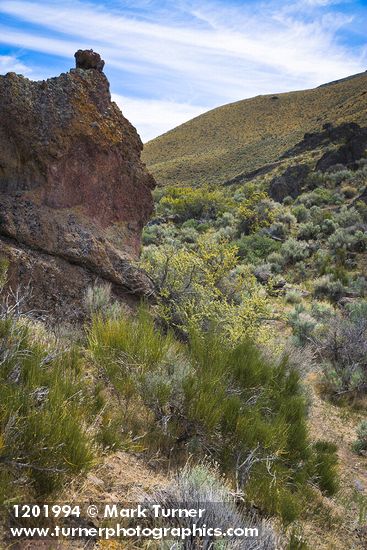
[{"x": 74, "y": 194}]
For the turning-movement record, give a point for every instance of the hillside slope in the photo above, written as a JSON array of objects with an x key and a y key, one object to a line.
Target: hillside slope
[{"x": 243, "y": 136}]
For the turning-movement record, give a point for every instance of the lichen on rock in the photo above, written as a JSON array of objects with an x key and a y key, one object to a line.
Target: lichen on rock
[{"x": 72, "y": 184}]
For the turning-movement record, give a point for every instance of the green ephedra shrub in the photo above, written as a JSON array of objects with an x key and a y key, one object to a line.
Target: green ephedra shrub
[
  {"x": 213, "y": 399},
  {"x": 43, "y": 437}
]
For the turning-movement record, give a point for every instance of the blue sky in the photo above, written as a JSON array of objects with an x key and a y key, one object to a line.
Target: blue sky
[{"x": 169, "y": 61}]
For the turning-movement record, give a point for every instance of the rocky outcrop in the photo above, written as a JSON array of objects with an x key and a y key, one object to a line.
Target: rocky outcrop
[
  {"x": 88, "y": 59},
  {"x": 290, "y": 183},
  {"x": 74, "y": 194},
  {"x": 248, "y": 176},
  {"x": 350, "y": 136},
  {"x": 362, "y": 196},
  {"x": 352, "y": 149}
]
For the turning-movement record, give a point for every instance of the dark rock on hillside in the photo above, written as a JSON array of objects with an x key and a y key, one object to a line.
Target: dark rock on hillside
[
  {"x": 248, "y": 176},
  {"x": 347, "y": 154},
  {"x": 362, "y": 196},
  {"x": 74, "y": 194},
  {"x": 348, "y": 135},
  {"x": 290, "y": 183}
]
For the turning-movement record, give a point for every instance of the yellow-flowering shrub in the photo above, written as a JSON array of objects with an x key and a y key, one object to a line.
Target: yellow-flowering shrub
[
  {"x": 188, "y": 202},
  {"x": 201, "y": 287},
  {"x": 255, "y": 211}
]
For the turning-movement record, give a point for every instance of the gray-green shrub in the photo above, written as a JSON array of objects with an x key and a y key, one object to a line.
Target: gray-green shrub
[
  {"x": 293, "y": 296},
  {"x": 303, "y": 325},
  {"x": 360, "y": 445},
  {"x": 348, "y": 217},
  {"x": 343, "y": 348},
  {"x": 202, "y": 486},
  {"x": 308, "y": 231},
  {"x": 301, "y": 213},
  {"x": 294, "y": 251},
  {"x": 326, "y": 287}
]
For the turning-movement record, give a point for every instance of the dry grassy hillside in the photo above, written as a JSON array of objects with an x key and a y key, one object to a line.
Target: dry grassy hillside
[{"x": 243, "y": 136}]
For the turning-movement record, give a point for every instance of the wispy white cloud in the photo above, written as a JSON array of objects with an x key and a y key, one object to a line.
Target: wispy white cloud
[
  {"x": 185, "y": 48},
  {"x": 9, "y": 63},
  {"x": 196, "y": 55},
  {"x": 321, "y": 3}
]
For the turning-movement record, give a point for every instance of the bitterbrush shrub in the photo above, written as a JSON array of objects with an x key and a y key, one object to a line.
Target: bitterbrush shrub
[
  {"x": 43, "y": 436},
  {"x": 213, "y": 398},
  {"x": 205, "y": 285},
  {"x": 342, "y": 347},
  {"x": 188, "y": 203}
]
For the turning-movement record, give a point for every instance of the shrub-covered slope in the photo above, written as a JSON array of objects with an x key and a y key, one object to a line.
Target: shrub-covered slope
[
  {"x": 281, "y": 260},
  {"x": 243, "y": 136}
]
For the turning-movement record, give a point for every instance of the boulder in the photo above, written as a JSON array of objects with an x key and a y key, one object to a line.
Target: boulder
[
  {"x": 88, "y": 59},
  {"x": 362, "y": 196},
  {"x": 290, "y": 183},
  {"x": 74, "y": 194},
  {"x": 348, "y": 153}
]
